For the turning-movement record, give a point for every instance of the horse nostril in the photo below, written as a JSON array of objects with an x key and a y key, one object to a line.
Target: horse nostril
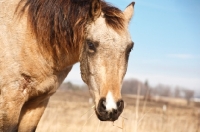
[
  {"x": 120, "y": 105},
  {"x": 102, "y": 104}
]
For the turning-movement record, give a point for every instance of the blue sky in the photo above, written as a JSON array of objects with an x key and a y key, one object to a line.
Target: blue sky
[{"x": 166, "y": 34}]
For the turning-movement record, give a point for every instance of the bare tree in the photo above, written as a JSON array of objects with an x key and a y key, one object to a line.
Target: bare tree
[
  {"x": 162, "y": 90},
  {"x": 130, "y": 87},
  {"x": 177, "y": 92},
  {"x": 188, "y": 95}
]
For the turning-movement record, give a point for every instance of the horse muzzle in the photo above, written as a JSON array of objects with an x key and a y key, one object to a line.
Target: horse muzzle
[{"x": 105, "y": 114}]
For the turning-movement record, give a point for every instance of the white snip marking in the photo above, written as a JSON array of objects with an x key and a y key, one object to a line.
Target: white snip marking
[{"x": 110, "y": 103}]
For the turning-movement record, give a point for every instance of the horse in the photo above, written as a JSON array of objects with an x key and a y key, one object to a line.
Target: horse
[{"x": 41, "y": 40}]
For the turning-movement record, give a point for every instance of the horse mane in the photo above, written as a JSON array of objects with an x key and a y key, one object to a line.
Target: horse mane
[{"x": 61, "y": 23}]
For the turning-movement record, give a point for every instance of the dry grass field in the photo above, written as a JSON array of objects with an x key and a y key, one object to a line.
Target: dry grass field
[{"x": 71, "y": 112}]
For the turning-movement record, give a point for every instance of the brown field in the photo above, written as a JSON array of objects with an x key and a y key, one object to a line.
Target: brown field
[{"x": 66, "y": 112}]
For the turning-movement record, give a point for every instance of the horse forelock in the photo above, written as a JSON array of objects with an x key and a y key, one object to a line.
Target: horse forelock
[
  {"x": 59, "y": 25},
  {"x": 113, "y": 17}
]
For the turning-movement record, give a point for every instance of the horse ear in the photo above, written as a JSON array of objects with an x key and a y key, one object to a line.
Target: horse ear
[
  {"x": 128, "y": 12},
  {"x": 95, "y": 9}
]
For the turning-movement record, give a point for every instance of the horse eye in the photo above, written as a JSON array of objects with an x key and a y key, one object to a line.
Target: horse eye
[
  {"x": 131, "y": 47},
  {"x": 91, "y": 46},
  {"x": 130, "y": 50}
]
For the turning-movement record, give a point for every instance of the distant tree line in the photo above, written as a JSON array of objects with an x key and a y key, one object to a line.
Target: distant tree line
[
  {"x": 130, "y": 86},
  {"x": 70, "y": 86}
]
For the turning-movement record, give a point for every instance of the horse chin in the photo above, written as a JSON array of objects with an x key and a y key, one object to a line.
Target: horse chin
[{"x": 106, "y": 116}]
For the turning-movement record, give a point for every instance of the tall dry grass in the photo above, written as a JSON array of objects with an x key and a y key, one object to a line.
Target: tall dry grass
[{"x": 71, "y": 112}]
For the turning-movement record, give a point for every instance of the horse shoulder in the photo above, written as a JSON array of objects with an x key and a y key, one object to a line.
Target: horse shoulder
[{"x": 20, "y": 57}]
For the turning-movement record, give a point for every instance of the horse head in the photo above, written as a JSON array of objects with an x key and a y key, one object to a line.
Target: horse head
[{"x": 104, "y": 57}]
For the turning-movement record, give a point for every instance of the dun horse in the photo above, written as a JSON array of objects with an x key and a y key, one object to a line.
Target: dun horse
[{"x": 40, "y": 41}]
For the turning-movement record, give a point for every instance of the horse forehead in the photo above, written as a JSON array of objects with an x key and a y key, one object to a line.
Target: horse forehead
[{"x": 101, "y": 32}]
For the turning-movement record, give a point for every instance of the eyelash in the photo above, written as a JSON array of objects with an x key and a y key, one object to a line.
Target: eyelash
[{"x": 130, "y": 50}]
